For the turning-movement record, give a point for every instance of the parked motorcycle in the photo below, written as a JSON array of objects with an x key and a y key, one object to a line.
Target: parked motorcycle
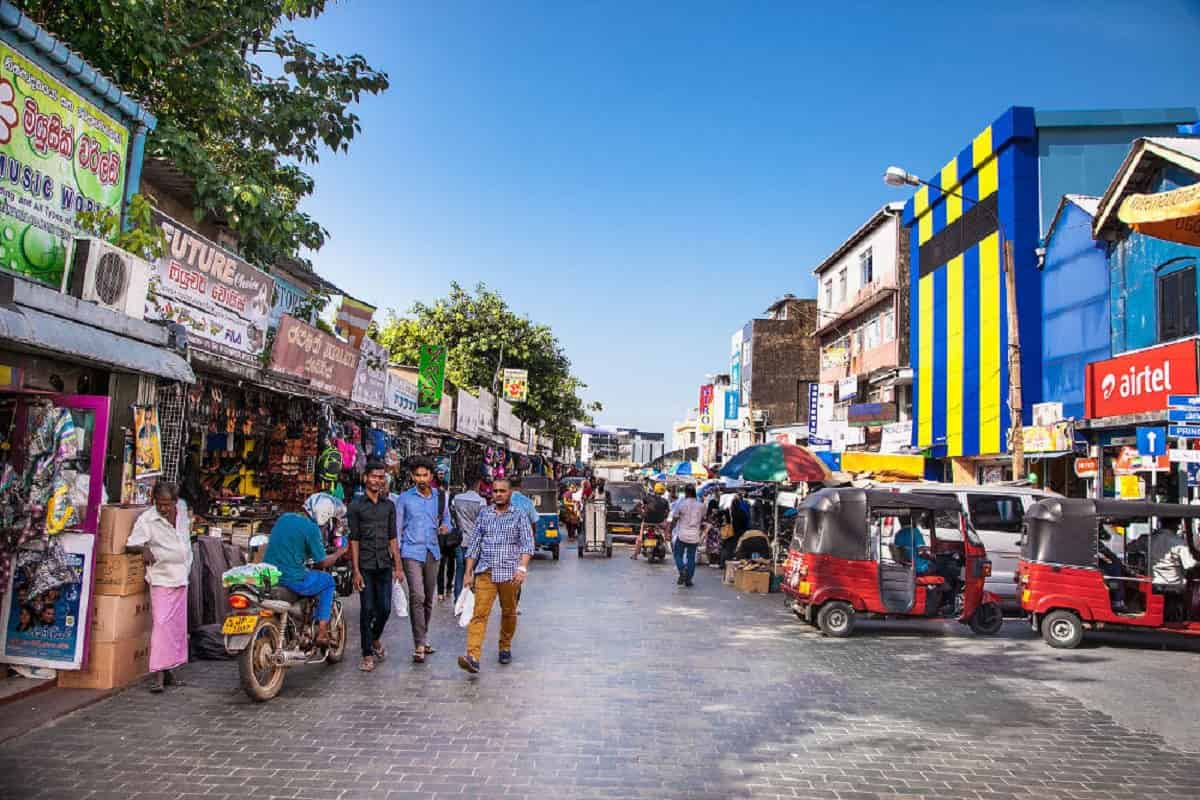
[{"x": 271, "y": 628}]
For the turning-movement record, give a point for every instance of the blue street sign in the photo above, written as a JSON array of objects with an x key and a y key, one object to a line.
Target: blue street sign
[
  {"x": 1183, "y": 415},
  {"x": 1151, "y": 442},
  {"x": 1193, "y": 473},
  {"x": 813, "y": 404},
  {"x": 1183, "y": 401},
  {"x": 1184, "y": 431}
]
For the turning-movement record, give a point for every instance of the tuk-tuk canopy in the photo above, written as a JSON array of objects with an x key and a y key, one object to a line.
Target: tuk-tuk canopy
[
  {"x": 542, "y": 491},
  {"x": 1063, "y": 530},
  {"x": 834, "y": 522}
]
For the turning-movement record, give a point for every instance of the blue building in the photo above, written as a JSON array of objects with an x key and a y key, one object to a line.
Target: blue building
[{"x": 1013, "y": 172}]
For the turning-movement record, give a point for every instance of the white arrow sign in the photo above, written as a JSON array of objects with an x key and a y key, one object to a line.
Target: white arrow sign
[{"x": 1184, "y": 456}]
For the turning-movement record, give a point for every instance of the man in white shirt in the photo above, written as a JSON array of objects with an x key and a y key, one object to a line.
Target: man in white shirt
[{"x": 685, "y": 517}]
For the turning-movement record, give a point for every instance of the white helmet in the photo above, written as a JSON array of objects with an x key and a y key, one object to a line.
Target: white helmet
[{"x": 324, "y": 508}]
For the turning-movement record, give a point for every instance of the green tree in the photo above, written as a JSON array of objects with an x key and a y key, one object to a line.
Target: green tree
[
  {"x": 242, "y": 103},
  {"x": 474, "y": 327}
]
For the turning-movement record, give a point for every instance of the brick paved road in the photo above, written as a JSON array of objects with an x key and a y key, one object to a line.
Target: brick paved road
[{"x": 626, "y": 687}]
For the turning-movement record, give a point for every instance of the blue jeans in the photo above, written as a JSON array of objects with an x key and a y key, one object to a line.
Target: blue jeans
[
  {"x": 683, "y": 551},
  {"x": 319, "y": 585}
]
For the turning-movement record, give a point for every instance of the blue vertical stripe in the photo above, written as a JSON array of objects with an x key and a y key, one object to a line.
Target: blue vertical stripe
[
  {"x": 939, "y": 354},
  {"x": 971, "y": 351}
]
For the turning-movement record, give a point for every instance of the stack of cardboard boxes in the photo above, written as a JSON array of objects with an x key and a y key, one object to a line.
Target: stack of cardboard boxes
[
  {"x": 119, "y": 647},
  {"x": 749, "y": 576}
]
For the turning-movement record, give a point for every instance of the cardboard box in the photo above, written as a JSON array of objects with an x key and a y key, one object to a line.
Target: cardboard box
[
  {"x": 731, "y": 568},
  {"x": 756, "y": 581},
  {"x": 116, "y": 523},
  {"x": 110, "y": 665},
  {"x": 121, "y": 575},
  {"x": 117, "y": 618}
]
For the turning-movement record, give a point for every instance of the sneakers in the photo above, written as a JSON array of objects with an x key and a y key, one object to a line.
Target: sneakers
[
  {"x": 688, "y": 583},
  {"x": 469, "y": 664},
  {"x": 505, "y": 656},
  {"x": 679, "y": 581}
]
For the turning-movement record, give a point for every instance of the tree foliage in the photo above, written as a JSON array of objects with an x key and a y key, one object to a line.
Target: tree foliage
[
  {"x": 475, "y": 326},
  {"x": 241, "y": 102}
]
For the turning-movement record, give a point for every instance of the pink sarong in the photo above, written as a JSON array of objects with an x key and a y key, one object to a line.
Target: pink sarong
[{"x": 168, "y": 638}]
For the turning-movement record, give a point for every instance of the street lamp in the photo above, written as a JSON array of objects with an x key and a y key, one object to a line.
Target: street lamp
[{"x": 899, "y": 177}]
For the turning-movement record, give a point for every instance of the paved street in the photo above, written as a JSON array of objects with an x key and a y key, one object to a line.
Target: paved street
[{"x": 626, "y": 686}]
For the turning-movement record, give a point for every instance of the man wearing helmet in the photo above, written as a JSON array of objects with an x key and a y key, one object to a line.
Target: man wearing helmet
[
  {"x": 653, "y": 511},
  {"x": 297, "y": 539}
]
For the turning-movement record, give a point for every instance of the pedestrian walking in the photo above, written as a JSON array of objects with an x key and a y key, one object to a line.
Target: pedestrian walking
[
  {"x": 449, "y": 575},
  {"x": 375, "y": 561},
  {"x": 464, "y": 511},
  {"x": 686, "y": 514},
  {"x": 420, "y": 518},
  {"x": 497, "y": 564},
  {"x": 162, "y": 534}
]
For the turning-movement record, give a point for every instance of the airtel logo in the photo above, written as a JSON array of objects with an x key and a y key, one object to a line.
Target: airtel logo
[{"x": 1135, "y": 383}]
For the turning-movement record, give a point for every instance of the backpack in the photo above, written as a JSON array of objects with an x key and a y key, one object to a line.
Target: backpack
[{"x": 655, "y": 509}]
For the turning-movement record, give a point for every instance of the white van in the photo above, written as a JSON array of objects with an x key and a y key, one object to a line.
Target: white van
[{"x": 997, "y": 514}]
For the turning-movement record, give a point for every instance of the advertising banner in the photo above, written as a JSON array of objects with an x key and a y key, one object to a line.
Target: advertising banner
[
  {"x": 487, "y": 404},
  {"x": 302, "y": 351},
  {"x": 48, "y": 630},
  {"x": 731, "y": 404},
  {"x": 506, "y": 422},
  {"x": 871, "y": 414},
  {"x": 469, "y": 417},
  {"x": 847, "y": 388},
  {"x": 516, "y": 385},
  {"x": 1140, "y": 381},
  {"x": 59, "y": 155},
  {"x": 224, "y": 303},
  {"x": 431, "y": 378},
  {"x": 1048, "y": 438},
  {"x": 814, "y": 398},
  {"x": 371, "y": 379},
  {"x": 896, "y": 438},
  {"x": 147, "y": 442},
  {"x": 705, "y": 408},
  {"x": 401, "y": 394}
]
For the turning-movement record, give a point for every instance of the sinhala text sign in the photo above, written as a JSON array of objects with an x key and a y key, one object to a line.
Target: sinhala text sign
[
  {"x": 328, "y": 364},
  {"x": 59, "y": 155}
]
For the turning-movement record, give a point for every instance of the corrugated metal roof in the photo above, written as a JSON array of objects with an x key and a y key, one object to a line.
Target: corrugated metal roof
[{"x": 37, "y": 330}]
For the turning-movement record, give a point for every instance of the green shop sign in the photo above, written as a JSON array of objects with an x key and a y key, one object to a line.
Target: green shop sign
[
  {"x": 59, "y": 155},
  {"x": 431, "y": 377}
]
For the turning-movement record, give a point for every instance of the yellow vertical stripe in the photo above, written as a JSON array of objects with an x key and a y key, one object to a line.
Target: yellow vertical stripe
[
  {"x": 949, "y": 182},
  {"x": 925, "y": 361},
  {"x": 989, "y": 177},
  {"x": 989, "y": 344},
  {"x": 921, "y": 201},
  {"x": 954, "y": 356},
  {"x": 981, "y": 147}
]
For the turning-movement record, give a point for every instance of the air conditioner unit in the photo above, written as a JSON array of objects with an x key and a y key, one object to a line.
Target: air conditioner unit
[{"x": 110, "y": 277}]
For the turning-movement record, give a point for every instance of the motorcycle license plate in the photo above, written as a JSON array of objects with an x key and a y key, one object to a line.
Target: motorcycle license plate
[
  {"x": 621, "y": 529},
  {"x": 1025, "y": 595},
  {"x": 649, "y": 542},
  {"x": 241, "y": 624}
]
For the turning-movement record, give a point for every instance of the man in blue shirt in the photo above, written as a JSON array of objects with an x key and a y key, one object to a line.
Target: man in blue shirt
[
  {"x": 295, "y": 540},
  {"x": 910, "y": 541},
  {"x": 420, "y": 517}
]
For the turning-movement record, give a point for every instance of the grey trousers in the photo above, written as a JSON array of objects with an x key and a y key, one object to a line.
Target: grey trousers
[{"x": 422, "y": 582}]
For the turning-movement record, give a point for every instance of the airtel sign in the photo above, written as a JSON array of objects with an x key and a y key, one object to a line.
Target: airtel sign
[{"x": 1141, "y": 381}]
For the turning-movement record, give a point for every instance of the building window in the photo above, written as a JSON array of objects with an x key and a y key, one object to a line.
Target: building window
[
  {"x": 887, "y": 326},
  {"x": 866, "y": 266},
  {"x": 842, "y": 286},
  {"x": 1177, "y": 304},
  {"x": 829, "y": 294},
  {"x": 871, "y": 334}
]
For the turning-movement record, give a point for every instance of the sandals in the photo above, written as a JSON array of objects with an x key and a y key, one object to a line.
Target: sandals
[
  {"x": 379, "y": 651},
  {"x": 368, "y": 664},
  {"x": 429, "y": 650},
  {"x": 418, "y": 656}
]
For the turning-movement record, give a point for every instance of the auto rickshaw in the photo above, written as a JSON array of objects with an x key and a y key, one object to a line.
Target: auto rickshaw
[
  {"x": 864, "y": 551},
  {"x": 544, "y": 494},
  {"x": 1092, "y": 564}
]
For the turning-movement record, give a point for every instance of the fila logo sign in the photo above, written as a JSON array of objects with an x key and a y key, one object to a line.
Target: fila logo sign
[{"x": 1141, "y": 381}]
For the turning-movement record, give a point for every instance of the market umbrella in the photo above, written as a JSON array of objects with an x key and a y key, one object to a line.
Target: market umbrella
[
  {"x": 776, "y": 463},
  {"x": 690, "y": 469}
]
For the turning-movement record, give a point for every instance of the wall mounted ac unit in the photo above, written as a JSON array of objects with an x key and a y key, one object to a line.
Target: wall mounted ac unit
[{"x": 110, "y": 277}]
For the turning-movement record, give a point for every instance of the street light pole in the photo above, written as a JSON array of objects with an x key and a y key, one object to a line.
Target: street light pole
[{"x": 896, "y": 176}]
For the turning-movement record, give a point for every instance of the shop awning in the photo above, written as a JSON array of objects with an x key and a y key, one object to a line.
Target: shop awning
[
  {"x": 1173, "y": 216},
  {"x": 32, "y": 329},
  {"x": 1048, "y": 454}
]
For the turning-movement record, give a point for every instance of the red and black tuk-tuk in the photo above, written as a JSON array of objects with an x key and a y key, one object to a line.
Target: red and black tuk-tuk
[
  {"x": 1108, "y": 564},
  {"x": 887, "y": 554}
]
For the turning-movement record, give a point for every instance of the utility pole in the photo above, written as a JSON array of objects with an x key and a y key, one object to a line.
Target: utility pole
[{"x": 1016, "y": 435}]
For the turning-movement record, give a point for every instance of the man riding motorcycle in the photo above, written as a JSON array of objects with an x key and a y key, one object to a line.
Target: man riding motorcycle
[
  {"x": 297, "y": 539},
  {"x": 660, "y": 492}
]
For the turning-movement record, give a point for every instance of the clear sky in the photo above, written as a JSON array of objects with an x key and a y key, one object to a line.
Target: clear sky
[{"x": 646, "y": 177}]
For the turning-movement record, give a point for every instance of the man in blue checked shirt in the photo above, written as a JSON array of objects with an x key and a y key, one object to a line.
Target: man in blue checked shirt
[{"x": 497, "y": 563}]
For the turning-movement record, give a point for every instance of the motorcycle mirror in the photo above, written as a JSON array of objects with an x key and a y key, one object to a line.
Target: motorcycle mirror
[{"x": 258, "y": 540}]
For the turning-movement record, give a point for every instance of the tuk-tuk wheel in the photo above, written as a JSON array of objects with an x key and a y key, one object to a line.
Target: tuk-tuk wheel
[
  {"x": 608, "y": 551},
  {"x": 836, "y": 618},
  {"x": 1062, "y": 629},
  {"x": 554, "y": 551},
  {"x": 987, "y": 620}
]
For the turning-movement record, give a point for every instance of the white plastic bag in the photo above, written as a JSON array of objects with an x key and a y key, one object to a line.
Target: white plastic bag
[
  {"x": 464, "y": 609},
  {"x": 399, "y": 599}
]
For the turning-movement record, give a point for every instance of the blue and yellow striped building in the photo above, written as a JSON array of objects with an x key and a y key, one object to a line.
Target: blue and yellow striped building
[{"x": 958, "y": 310}]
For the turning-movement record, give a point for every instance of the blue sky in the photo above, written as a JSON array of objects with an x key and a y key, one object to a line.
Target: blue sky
[{"x": 645, "y": 177}]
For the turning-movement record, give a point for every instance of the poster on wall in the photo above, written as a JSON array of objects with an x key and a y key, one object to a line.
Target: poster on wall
[
  {"x": 147, "y": 442},
  {"x": 61, "y": 155},
  {"x": 516, "y": 385},
  {"x": 328, "y": 364},
  {"x": 223, "y": 301},
  {"x": 49, "y": 629},
  {"x": 431, "y": 378}
]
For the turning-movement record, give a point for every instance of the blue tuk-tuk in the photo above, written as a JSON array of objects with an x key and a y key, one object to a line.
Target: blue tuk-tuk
[{"x": 544, "y": 494}]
